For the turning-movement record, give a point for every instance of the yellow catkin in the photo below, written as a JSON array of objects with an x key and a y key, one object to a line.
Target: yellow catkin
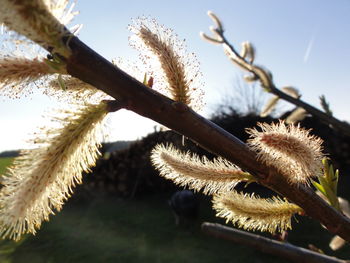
[
  {"x": 42, "y": 178},
  {"x": 39, "y": 21},
  {"x": 18, "y": 73},
  {"x": 291, "y": 91},
  {"x": 197, "y": 173},
  {"x": 296, "y": 116},
  {"x": 272, "y": 102},
  {"x": 169, "y": 62},
  {"x": 270, "y": 106},
  {"x": 290, "y": 148},
  {"x": 253, "y": 213}
]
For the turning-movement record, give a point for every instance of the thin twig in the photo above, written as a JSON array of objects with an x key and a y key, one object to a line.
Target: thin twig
[
  {"x": 267, "y": 82},
  {"x": 266, "y": 245}
]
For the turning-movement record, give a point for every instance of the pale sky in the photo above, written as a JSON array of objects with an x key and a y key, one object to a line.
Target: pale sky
[{"x": 304, "y": 43}]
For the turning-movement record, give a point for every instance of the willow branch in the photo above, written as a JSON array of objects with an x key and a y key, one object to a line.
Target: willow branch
[
  {"x": 115, "y": 105},
  {"x": 267, "y": 245},
  {"x": 87, "y": 65},
  {"x": 237, "y": 59},
  {"x": 342, "y": 126}
]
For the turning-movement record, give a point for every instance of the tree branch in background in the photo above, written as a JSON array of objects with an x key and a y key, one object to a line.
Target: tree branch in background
[
  {"x": 245, "y": 60},
  {"x": 266, "y": 245}
]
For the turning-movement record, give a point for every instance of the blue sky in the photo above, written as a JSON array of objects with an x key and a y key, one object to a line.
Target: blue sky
[{"x": 304, "y": 43}]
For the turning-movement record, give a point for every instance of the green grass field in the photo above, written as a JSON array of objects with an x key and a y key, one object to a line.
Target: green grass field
[
  {"x": 107, "y": 229},
  {"x": 4, "y": 162}
]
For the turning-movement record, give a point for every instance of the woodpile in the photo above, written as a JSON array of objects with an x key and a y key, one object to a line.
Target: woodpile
[{"x": 128, "y": 172}]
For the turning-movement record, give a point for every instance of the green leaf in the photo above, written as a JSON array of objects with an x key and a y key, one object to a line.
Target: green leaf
[
  {"x": 335, "y": 182},
  {"x": 325, "y": 165},
  {"x": 145, "y": 79},
  {"x": 332, "y": 198},
  {"x": 331, "y": 176},
  {"x": 319, "y": 187},
  {"x": 325, "y": 105}
]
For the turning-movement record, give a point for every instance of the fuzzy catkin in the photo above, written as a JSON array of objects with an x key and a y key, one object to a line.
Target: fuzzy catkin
[
  {"x": 290, "y": 148},
  {"x": 72, "y": 90},
  {"x": 197, "y": 173},
  {"x": 41, "y": 21},
  {"x": 168, "y": 61},
  {"x": 18, "y": 73},
  {"x": 42, "y": 178},
  {"x": 270, "y": 106},
  {"x": 253, "y": 213},
  {"x": 296, "y": 116}
]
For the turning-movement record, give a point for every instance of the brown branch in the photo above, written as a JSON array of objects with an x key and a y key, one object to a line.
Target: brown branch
[
  {"x": 267, "y": 245},
  {"x": 237, "y": 59},
  {"x": 90, "y": 67},
  {"x": 342, "y": 126},
  {"x": 115, "y": 105}
]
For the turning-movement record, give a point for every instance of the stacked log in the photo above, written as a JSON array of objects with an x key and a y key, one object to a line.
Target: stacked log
[{"x": 128, "y": 172}]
